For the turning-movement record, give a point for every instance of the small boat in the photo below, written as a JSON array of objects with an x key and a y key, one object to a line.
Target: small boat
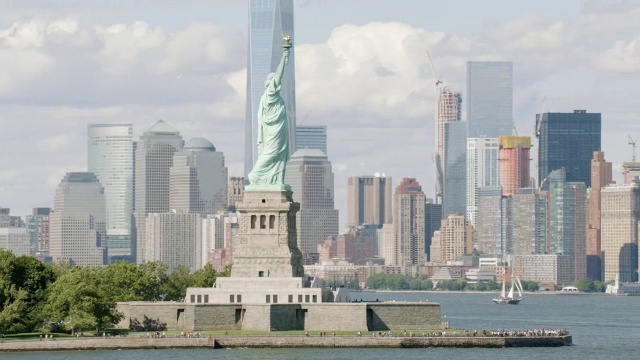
[{"x": 510, "y": 298}]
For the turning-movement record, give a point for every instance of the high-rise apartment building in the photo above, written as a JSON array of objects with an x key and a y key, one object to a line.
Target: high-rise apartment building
[
  {"x": 269, "y": 21},
  {"x": 311, "y": 179},
  {"x": 567, "y": 210},
  {"x": 235, "y": 190},
  {"x": 454, "y": 239},
  {"x": 174, "y": 239},
  {"x": 455, "y": 171},
  {"x": 198, "y": 179},
  {"x": 448, "y": 110},
  {"x": 567, "y": 141},
  {"x": 312, "y": 137},
  {"x": 489, "y": 98},
  {"x": 483, "y": 169},
  {"x": 369, "y": 200},
  {"x": 493, "y": 228},
  {"x": 409, "y": 214},
  {"x": 78, "y": 221},
  {"x": 16, "y": 240},
  {"x": 530, "y": 222},
  {"x": 620, "y": 219},
  {"x": 514, "y": 163},
  {"x": 110, "y": 158},
  {"x": 38, "y": 228},
  {"x": 601, "y": 176}
]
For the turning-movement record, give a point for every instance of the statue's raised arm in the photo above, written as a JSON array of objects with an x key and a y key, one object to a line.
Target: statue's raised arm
[{"x": 273, "y": 132}]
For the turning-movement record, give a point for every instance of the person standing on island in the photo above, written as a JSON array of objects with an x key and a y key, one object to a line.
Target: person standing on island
[{"x": 273, "y": 130}]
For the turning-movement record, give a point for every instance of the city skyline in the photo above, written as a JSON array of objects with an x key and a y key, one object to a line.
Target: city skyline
[{"x": 213, "y": 110}]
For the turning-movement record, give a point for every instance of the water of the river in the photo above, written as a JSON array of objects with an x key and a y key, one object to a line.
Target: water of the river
[{"x": 603, "y": 327}]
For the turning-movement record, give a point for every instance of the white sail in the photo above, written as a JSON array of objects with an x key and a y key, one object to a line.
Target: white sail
[
  {"x": 504, "y": 290},
  {"x": 510, "y": 295},
  {"x": 519, "y": 286}
]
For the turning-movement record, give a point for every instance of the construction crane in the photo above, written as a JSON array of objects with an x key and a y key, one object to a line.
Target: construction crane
[
  {"x": 433, "y": 68},
  {"x": 632, "y": 142}
]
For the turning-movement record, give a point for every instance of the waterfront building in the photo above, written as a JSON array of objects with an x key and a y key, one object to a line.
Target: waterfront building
[
  {"x": 568, "y": 233},
  {"x": 514, "y": 163},
  {"x": 110, "y": 158},
  {"x": 543, "y": 268},
  {"x": 455, "y": 172},
  {"x": 409, "y": 224},
  {"x": 312, "y": 137},
  {"x": 448, "y": 110},
  {"x": 388, "y": 246},
  {"x": 353, "y": 247},
  {"x": 567, "y": 141},
  {"x": 269, "y": 21},
  {"x": 601, "y": 176},
  {"x": 454, "y": 239},
  {"x": 78, "y": 221},
  {"x": 38, "y": 228},
  {"x": 236, "y": 190},
  {"x": 16, "y": 240},
  {"x": 174, "y": 239},
  {"x": 530, "y": 222},
  {"x": 311, "y": 179},
  {"x": 369, "y": 200},
  {"x": 620, "y": 219},
  {"x": 489, "y": 98},
  {"x": 198, "y": 179},
  {"x": 483, "y": 170}
]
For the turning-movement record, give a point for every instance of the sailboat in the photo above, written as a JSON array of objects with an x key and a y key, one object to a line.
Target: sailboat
[{"x": 510, "y": 298}]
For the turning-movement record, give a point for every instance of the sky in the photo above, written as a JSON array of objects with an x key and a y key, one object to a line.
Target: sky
[{"x": 361, "y": 69}]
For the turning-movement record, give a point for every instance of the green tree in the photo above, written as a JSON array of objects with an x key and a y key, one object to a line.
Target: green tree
[
  {"x": 77, "y": 301},
  {"x": 204, "y": 277},
  {"x": 175, "y": 285},
  {"x": 585, "y": 285}
]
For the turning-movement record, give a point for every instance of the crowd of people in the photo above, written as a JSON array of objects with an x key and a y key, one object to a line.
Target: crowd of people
[{"x": 475, "y": 333}]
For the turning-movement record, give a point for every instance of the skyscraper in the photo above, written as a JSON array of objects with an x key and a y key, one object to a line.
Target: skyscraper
[
  {"x": 78, "y": 221},
  {"x": 455, "y": 238},
  {"x": 110, "y": 158},
  {"x": 174, "y": 239},
  {"x": 38, "y": 229},
  {"x": 409, "y": 214},
  {"x": 483, "y": 169},
  {"x": 492, "y": 228},
  {"x": 311, "y": 137},
  {"x": 629, "y": 171},
  {"x": 530, "y": 222},
  {"x": 567, "y": 210},
  {"x": 449, "y": 110},
  {"x": 567, "y": 140},
  {"x": 154, "y": 158},
  {"x": 514, "y": 163},
  {"x": 601, "y": 176},
  {"x": 620, "y": 217},
  {"x": 269, "y": 20},
  {"x": 369, "y": 200},
  {"x": 311, "y": 179},
  {"x": 455, "y": 172},
  {"x": 198, "y": 179},
  {"x": 433, "y": 221},
  {"x": 489, "y": 98}
]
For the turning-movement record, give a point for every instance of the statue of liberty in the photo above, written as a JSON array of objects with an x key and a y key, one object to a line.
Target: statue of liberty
[{"x": 273, "y": 132}]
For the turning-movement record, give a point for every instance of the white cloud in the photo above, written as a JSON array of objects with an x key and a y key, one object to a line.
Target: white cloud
[{"x": 623, "y": 57}]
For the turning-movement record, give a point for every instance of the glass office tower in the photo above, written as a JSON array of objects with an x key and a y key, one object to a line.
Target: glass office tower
[
  {"x": 110, "y": 158},
  {"x": 455, "y": 173},
  {"x": 489, "y": 98},
  {"x": 567, "y": 141},
  {"x": 269, "y": 20}
]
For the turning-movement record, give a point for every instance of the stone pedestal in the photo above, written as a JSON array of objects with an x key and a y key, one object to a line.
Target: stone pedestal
[{"x": 267, "y": 243}]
